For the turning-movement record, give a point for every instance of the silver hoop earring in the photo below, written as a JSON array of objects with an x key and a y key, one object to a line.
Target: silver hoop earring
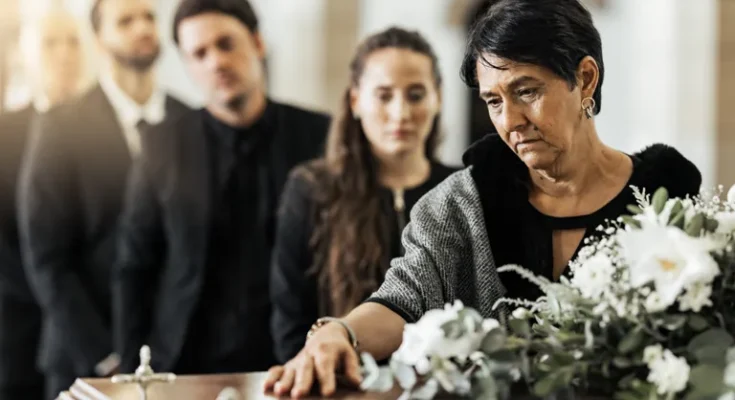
[{"x": 588, "y": 106}]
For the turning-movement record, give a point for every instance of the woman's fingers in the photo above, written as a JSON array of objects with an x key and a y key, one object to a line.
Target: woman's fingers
[
  {"x": 274, "y": 374},
  {"x": 304, "y": 377},
  {"x": 325, "y": 362},
  {"x": 352, "y": 367},
  {"x": 284, "y": 385}
]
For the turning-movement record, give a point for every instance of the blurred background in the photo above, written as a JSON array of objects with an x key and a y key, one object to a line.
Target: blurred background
[{"x": 669, "y": 65}]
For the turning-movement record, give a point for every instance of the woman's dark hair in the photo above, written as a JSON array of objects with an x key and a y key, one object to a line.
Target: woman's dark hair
[
  {"x": 350, "y": 254},
  {"x": 555, "y": 34}
]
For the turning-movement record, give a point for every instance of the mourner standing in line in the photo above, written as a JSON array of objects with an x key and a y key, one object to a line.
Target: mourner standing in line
[
  {"x": 72, "y": 186},
  {"x": 192, "y": 281},
  {"x": 50, "y": 45},
  {"x": 343, "y": 214}
]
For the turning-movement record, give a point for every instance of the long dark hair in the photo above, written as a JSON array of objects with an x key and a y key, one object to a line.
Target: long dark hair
[{"x": 348, "y": 242}]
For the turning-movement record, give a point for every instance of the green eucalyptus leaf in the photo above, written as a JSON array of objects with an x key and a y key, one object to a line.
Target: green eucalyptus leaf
[
  {"x": 711, "y": 224},
  {"x": 630, "y": 221},
  {"x": 503, "y": 356},
  {"x": 622, "y": 362},
  {"x": 628, "y": 396},
  {"x": 485, "y": 388},
  {"x": 520, "y": 327},
  {"x": 626, "y": 382},
  {"x": 677, "y": 220},
  {"x": 675, "y": 210},
  {"x": 707, "y": 380},
  {"x": 659, "y": 200},
  {"x": 632, "y": 341},
  {"x": 493, "y": 341},
  {"x": 552, "y": 382},
  {"x": 716, "y": 338},
  {"x": 695, "y": 225},
  {"x": 635, "y": 210},
  {"x": 674, "y": 322},
  {"x": 711, "y": 355},
  {"x": 698, "y": 323}
]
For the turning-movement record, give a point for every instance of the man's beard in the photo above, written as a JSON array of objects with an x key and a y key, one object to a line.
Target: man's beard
[
  {"x": 136, "y": 62},
  {"x": 237, "y": 102}
]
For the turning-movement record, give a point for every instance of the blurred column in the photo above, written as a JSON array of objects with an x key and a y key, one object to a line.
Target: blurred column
[{"x": 726, "y": 93}]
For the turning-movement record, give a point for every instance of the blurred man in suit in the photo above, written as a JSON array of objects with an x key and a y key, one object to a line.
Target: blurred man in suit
[
  {"x": 205, "y": 196},
  {"x": 52, "y": 60},
  {"x": 71, "y": 188}
]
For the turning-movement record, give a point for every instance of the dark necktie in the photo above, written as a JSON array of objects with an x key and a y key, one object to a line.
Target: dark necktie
[{"x": 142, "y": 126}]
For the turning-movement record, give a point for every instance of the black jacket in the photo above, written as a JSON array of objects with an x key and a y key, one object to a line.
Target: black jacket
[
  {"x": 20, "y": 316},
  {"x": 163, "y": 249},
  {"x": 71, "y": 189}
]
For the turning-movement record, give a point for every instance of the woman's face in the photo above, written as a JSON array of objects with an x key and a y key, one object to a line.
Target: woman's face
[
  {"x": 535, "y": 111},
  {"x": 396, "y": 101}
]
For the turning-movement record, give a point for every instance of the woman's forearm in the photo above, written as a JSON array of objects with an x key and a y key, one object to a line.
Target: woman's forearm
[{"x": 379, "y": 330}]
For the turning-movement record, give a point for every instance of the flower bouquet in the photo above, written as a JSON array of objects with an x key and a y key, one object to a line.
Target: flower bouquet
[{"x": 648, "y": 313}]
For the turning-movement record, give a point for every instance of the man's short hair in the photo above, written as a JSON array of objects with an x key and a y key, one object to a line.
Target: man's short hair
[{"x": 240, "y": 9}]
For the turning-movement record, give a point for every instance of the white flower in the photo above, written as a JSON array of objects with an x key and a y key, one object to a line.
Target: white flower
[
  {"x": 594, "y": 276},
  {"x": 490, "y": 324},
  {"x": 696, "y": 297},
  {"x": 521, "y": 313},
  {"x": 725, "y": 222},
  {"x": 426, "y": 338},
  {"x": 729, "y": 377},
  {"x": 731, "y": 195},
  {"x": 669, "y": 373},
  {"x": 653, "y": 303},
  {"x": 727, "y": 396},
  {"x": 668, "y": 257},
  {"x": 652, "y": 353}
]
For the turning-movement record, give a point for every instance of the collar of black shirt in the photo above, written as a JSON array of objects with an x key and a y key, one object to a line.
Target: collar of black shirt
[{"x": 243, "y": 138}]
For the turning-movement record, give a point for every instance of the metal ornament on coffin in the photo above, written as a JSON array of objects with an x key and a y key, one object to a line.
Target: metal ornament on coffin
[{"x": 144, "y": 375}]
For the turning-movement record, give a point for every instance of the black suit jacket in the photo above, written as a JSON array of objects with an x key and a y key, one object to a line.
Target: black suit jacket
[
  {"x": 70, "y": 194},
  {"x": 20, "y": 316},
  {"x": 163, "y": 247},
  {"x": 14, "y": 130}
]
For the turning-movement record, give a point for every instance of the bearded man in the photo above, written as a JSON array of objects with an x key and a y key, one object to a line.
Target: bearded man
[{"x": 71, "y": 187}]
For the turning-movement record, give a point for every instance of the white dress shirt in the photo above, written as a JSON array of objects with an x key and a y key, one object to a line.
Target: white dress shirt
[{"x": 129, "y": 113}]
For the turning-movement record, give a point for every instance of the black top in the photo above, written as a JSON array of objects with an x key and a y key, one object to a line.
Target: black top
[
  {"x": 294, "y": 293},
  {"x": 238, "y": 246},
  {"x": 520, "y": 234}
]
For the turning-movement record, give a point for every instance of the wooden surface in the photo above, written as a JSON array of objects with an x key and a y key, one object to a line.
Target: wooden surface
[{"x": 200, "y": 387}]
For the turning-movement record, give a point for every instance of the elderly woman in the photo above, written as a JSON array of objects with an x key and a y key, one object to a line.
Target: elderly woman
[{"x": 530, "y": 195}]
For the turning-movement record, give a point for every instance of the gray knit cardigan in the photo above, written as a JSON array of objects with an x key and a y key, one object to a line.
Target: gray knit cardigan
[{"x": 447, "y": 255}]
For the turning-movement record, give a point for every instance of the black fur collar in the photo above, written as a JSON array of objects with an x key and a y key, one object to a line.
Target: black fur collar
[{"x": 656, "y": 165}]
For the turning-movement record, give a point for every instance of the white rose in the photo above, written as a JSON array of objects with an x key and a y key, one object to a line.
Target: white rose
[{"x": 731, "y": 195}]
